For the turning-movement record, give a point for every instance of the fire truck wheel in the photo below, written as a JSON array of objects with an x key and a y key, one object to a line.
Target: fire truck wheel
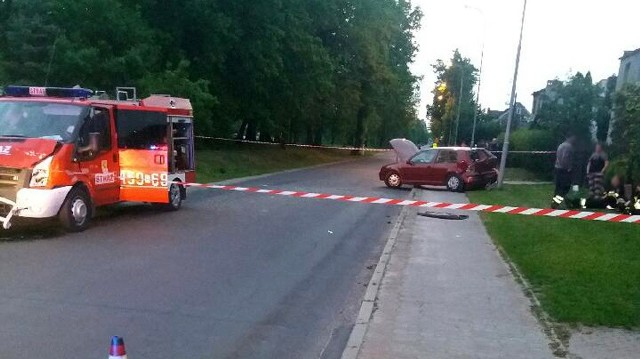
[
  {"x": 175, "y": 199},
  {"x": 76, "y": 211}
]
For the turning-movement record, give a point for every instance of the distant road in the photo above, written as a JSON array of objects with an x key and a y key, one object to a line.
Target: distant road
[{"x": 232, "y": 275}]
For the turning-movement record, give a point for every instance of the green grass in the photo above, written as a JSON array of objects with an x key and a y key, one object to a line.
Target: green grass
[
  {"x": 249, "y": 160},
  {"x": 583, "y": 272},
  {"x": 522, "y": 174}
]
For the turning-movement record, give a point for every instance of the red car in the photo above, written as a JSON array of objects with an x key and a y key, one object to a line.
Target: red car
[{"x": 458, "y": 168}]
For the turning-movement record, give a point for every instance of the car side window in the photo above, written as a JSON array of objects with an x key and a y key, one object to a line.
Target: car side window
[
  {"x": 424, "y": 157},
  {"x": 447, "y": 156}
]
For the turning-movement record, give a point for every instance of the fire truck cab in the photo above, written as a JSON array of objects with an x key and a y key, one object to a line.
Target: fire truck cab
[{"x": 64, "y": 152}]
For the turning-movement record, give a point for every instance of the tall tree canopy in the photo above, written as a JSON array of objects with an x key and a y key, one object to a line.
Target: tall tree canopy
[
  {"x": 572, "y": 110},
  {"x": 314, "y": 71},
  {"x": 453, "y": 90}
]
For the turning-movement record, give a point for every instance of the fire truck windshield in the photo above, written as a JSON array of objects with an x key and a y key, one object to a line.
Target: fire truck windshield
[{"x": 41, "y": 120}]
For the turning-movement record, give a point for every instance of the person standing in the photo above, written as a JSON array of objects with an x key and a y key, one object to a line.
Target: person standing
[
  {"x": 597, "y": 165},
  {"x": 563, "y": 173}
]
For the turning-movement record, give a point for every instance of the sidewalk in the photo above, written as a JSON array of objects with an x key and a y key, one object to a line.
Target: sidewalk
[{"x": 447, "y": 294}]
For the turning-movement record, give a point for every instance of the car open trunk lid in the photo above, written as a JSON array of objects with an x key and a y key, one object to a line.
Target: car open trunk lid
[{"x": 404, "y": 148}]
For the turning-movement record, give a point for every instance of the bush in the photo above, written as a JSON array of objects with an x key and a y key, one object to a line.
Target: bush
[{"x": 533, "y": 140}]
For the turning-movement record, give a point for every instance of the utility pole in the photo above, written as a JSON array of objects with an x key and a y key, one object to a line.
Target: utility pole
[{"x": 505, "y": 146}]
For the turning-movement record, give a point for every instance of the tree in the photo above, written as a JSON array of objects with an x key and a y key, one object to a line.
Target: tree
[
  {"x": 453, "y": 81},
  {"x": 604, "y": 108},
  {"x": 626, "y": 128},
  {"x": 176, "y": 82},
  {"x": 331, "y": 71},
  {"x": 487, "y": 127},
  {"x": 572, "y": 109}
]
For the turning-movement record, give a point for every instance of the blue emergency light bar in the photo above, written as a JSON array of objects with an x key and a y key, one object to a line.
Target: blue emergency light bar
[{"x": 31, "y": 91}]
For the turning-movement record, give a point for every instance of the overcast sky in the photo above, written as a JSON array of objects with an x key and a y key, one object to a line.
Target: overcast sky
[{"x": 560, "y": 37}]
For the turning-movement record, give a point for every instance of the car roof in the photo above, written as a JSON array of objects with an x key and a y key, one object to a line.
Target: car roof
[{"x": 453, "y": 148}]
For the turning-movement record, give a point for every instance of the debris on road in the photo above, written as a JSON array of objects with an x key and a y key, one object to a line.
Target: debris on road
[{"x": 443, "y": 215}]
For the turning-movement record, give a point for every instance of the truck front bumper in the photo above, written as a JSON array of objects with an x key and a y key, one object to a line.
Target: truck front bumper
[{"x": 33, "y": 203}]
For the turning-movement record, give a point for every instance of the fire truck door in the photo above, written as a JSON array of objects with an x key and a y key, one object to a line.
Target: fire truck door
[
  {"x": 102, "y": 167},
  {"x": 144, "y": 144}
]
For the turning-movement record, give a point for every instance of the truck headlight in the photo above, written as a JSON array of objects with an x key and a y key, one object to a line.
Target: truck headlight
[{"x": 40, "y": 174}]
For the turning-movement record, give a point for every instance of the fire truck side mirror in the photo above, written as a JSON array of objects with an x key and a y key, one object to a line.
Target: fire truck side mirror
[{"x": 93, "y": 146}]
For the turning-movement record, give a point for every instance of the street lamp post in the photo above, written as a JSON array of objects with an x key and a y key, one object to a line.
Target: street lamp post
[
  {"x": 505, "y": 145},
  {"x": 475, "y": 112}
]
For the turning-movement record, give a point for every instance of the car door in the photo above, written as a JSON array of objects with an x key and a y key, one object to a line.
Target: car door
[
  {"x": 417, "y": 169},
  {"x": 444, "y": 163},
  {"x": 102, "y": 167}
]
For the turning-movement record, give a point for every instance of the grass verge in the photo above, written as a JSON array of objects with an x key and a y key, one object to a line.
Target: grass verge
[
  {"x": 249, "y": 160},
  {"x": 522, "y": 174},
  {"x": 583, "y": 272}
]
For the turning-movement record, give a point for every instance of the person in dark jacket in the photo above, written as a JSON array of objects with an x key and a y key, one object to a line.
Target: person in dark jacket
[
  {"x": 563, "y": 171},
  {"x": 597, "y": 165}
]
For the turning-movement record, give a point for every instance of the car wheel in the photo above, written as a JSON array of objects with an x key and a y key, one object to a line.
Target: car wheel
[
  {"x": 175, "y": 199},
  {"x": 393, "y": 180},
  {"x": 455, "y": 183},
  {"x": 76, "y": 211}
]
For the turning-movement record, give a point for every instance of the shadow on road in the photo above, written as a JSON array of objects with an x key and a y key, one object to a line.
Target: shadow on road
[{"x": 25, "y": 229}]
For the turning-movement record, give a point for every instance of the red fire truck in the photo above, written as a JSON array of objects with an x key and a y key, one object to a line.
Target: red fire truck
[{"x": 64, "y": 152}]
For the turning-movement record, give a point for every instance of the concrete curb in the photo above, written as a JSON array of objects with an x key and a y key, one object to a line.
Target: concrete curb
[
  {"x": 556, "y": 344},
  {"x": 356, "y": 338}
]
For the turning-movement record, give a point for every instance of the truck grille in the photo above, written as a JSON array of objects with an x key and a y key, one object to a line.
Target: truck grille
[
  {"x": 9, "y": 177},
  {"x": 11, "y": 181}
]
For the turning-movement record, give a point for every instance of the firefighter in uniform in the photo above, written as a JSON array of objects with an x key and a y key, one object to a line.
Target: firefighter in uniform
[
  {"x": 614, "y": 199},
  {"x": 633, "y": 206}
]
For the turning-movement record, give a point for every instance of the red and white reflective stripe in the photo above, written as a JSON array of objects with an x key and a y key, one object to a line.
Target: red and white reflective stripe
[{"x": 539, "y": 212}]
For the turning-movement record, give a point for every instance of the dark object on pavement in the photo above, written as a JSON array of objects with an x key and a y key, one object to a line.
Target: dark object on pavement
[
  {"x": 443, "y": 215},
  {"x": 458, "y": 168}
]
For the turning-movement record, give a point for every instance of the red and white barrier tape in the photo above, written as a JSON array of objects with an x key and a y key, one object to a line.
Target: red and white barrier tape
[
  {"x": 539, "y": 212},
  {"x": 295, "y": 144}
]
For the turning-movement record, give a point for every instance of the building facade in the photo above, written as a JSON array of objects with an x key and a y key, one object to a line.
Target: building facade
[
  {"x": 543, "y": 96},
  {"x": 629, "y": 72}
]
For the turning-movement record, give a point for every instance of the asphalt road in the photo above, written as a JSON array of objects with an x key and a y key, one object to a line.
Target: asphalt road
[{"x": 231, "y": 275}]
